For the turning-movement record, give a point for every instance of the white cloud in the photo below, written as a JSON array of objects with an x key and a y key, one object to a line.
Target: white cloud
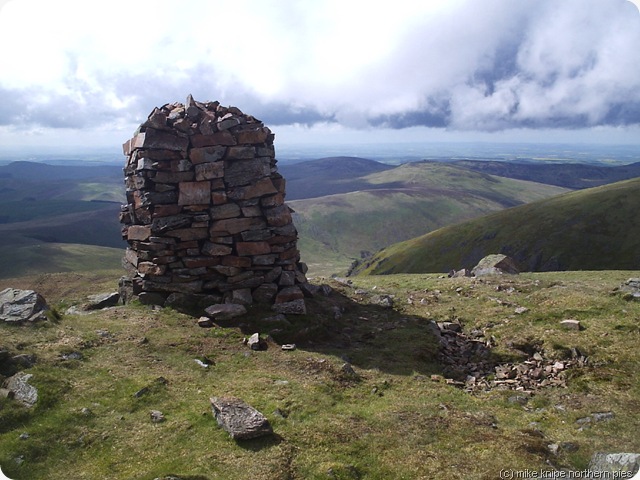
[{"x": 461, "y": 64}]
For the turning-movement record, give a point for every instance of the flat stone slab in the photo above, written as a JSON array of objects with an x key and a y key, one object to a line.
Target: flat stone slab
[
  {"x": 239, "y": 419},
  {"x": 102, "y": 300},
  {"x": 17, "y": 306}
]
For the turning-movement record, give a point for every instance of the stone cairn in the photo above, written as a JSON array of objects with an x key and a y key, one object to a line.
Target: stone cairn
[{"x": 206, "y": 218}]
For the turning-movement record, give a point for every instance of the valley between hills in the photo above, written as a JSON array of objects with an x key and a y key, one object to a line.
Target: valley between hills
[
  {"x": 398, "y": 372},
  {"x": 346, "y": 208}
]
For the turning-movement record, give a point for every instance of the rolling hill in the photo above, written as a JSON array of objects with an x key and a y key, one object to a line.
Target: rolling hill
[
  {"x": 569, "y": 175},
  {"x": 328, "y": 176},
  {"x": 59, "y": 218},
  {"x": 397, "y": 204},
  {"x": 592, "y": 229}
]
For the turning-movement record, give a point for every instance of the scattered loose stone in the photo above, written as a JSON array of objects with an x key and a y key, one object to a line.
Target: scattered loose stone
[
  {"x": 254, "y": 342},
  {"x": 72, "y": 356},
  {"x": 385, "y": 301},
  {"x": 347, "y": 369},
  {"x": 239, "y": 419},
  {"x": 201, "y": 363},
  {"x": 205, "y": 322},
  {"x": 571, "y": 324},
  {"x": 157, "y": 416},
  {"x": 521, "y": 310},
  {"x": 630, "y": 289},
  {"x": 467, "y": 363}
]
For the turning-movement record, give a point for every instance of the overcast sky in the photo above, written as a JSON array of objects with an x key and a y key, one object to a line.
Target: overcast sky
[{"x": 87, "y": 73}]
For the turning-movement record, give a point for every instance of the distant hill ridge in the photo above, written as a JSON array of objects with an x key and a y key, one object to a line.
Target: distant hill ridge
[
  {"x": 328, "y": 176},
  {"x": 35, "y": 171},
  {"x": 592, "y": 229},
  {"x": 569, "y": 175},
  {"x": 396, "y": 204}
]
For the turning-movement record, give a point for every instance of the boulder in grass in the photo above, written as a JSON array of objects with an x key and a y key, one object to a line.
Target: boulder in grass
[
  {"x": 19, "y": 389},
  {"x": 102, "y": 300},
  {"x": 496, "y": 264},
  {"x": 628, "y": 463},
  {"x": 239, "y": 419},
  {"x": 19, "y": 306}
]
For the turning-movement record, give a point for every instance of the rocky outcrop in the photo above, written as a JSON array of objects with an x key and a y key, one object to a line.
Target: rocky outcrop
[
  {"x": 630, "y": 289},
  {"x": 496, "y": 264},
  {"x": 206, "y": 212},
  {"x": 19, "y": 306},
  {"x": 239, "y": 419}
]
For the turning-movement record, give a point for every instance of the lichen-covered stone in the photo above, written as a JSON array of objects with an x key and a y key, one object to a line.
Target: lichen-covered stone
[{"x": 239, "y": 419}]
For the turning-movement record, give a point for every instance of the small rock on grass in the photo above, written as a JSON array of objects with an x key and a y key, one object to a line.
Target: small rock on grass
[
  {"x": 571, "y": 324},
  {"x": 239, "y": 419}
]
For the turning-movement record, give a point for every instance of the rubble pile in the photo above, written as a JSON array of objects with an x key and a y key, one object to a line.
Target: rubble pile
[
  {"x": 468, "y": 362},
  {"x": 205, "y": 213}
]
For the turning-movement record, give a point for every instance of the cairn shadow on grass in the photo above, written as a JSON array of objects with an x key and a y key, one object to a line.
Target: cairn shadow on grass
[{"x": 362, "y": 333}]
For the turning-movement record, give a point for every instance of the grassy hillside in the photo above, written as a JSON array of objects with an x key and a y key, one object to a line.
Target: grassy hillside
[
  {"x": 593, "y": 229},
  {"x": 59, "y": 218},
  {"x": 398, "y": 204},
  {"x": 328, "y": 176},
  {"x": 569, "y": 175},
  {"x": 397, "y": 417}
]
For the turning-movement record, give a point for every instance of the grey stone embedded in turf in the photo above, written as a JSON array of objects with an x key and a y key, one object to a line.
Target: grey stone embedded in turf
[
  {"x": 239, "y": 419},
  {"x": 23, "y": 392},
  {"x": 103, "y": 300},
  {"x": 615, "y": 463},
  {"x": 17, "y": 306}
]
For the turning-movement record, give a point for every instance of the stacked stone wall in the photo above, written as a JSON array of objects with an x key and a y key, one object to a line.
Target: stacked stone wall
[{"x": 205, "y": 211}]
